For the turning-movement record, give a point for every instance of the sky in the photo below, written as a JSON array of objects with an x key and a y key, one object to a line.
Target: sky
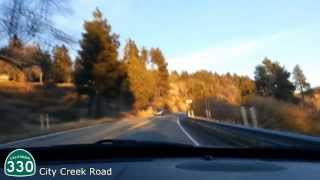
[{"x": 220, "y": 36}]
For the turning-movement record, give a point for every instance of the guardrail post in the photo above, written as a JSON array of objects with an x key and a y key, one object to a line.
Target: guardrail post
[
  {"x": 244, "y": 116},
  {"x": 253, "y": 117},
  {"x": 41, "y": 122},
  {"x": 47, "y": 121}
]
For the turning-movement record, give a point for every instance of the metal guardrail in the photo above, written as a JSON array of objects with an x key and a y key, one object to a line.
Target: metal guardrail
[{"x": 272, "y": 135}]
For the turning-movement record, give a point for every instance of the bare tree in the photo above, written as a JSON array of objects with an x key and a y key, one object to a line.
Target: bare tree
[{"x": 31, "y": 20}]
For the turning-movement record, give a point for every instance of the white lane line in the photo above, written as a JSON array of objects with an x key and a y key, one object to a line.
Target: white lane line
[
  {"x": 17, "y": 142},
  {"x": 187, "y": 134}
]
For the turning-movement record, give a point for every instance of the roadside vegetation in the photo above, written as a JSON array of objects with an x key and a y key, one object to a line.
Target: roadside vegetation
[
  {"x": 42, "y": 78},
  {"x": 280, "y": 103},
  {"x": 21, "y": 104}
]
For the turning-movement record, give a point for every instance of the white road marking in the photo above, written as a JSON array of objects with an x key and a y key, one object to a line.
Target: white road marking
[
  {"x": 22, "y": 141},
  {"x": 187, "y": 134},
  {"x": 46, "y": 136}
]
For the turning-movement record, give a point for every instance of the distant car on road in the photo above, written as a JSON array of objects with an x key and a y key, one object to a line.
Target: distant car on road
[{"x": 159, "y": 112}]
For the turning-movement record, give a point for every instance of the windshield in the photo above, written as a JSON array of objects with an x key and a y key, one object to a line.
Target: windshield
[{"x": 206, "y": 74}]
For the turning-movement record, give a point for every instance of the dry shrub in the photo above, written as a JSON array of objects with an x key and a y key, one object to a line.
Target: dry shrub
[
  {"x": 312, "y": 99},
  {"x": 14, "y": 118},
  {"x": 145, "y": 113},
  {"x": 22, "y": 103},
  {"x": 65, "y": 85},
  {"x": 220, "y": 109},
  {"x": 70, "y": 98},
  {"x": 176, "y": 101},
  {"x": 279, "y": 115}
]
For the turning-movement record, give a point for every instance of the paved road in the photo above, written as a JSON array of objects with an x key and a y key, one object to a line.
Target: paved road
[{"x": 167, "y": 128}]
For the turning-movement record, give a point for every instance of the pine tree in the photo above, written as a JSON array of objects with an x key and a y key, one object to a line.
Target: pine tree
[
  {"x": 300, "y": 81},
  {"x": 62, "y": 65},
  {"x": 44, "y": 60},
  {"x": 15, "y": 42},
  {"x": 273, "y": 80},
  {"x": 14, "y": 49},
  {"x": 98, "y": 71},
  {"x": 162, "y": 74},
  {"x": 144, "y": 55},
  {"x": 140, "y": 79}
]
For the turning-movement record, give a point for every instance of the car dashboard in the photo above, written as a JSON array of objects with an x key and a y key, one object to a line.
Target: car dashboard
[{"x": 181, "y": 168}]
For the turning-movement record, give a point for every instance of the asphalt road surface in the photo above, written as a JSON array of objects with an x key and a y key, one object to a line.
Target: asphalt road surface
[{"x": 168, "y": 128}]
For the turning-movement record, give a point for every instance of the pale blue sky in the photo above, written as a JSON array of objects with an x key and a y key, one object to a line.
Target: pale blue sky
[{"x": 221, "y": 36}]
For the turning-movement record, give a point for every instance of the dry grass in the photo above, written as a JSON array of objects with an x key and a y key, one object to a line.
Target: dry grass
[
  {"x": 22, "y": 103},
  {"x": 16, "y": 87},
  {"x": 312, "y": 98},
  {"x": 271, "y": 113},
  {"x": 63, "y": 85},
  {"x": 220, "y": 110},
  {"x": 35, "y": 131},
  {"x": 280, "y": 115},
  {"x": 145, "y": 113}
]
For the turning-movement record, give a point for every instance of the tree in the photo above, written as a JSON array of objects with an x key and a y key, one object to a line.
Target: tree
[
  {"x": 14, "y": 49},
  {"x": 31, "y": 20},
  {"x": 140, "y": 79},
  {"x": 144, "y": 55},
  {"x": 30, "y": 56},
  {"x": 98, "y": 69},
  {"x": 208, "y": 88},
  {"x": 62, "y": 65},
  {"x": 273, "y": 80},
  {"x": 44, "y": 60},
  {"x": 162, "y": 74},
  {"x": 15, "y": 42},
  {"x": 246, "y": 85},
  {"x": 300, "y": 81}
]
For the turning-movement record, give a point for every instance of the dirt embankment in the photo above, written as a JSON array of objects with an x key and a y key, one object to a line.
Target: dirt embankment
[{"x": 22, "y": 105}]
